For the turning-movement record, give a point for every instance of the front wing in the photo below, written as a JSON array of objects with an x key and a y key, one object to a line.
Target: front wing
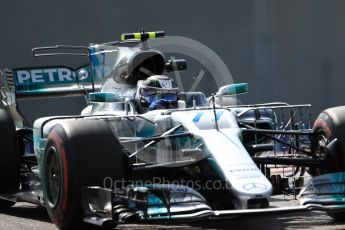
[{"x": 171, "y": 203}]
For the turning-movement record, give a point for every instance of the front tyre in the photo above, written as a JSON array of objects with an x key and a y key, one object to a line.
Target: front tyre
[
  {"x": 4, "y": 204},
  {"x": 79, "y": 153},
  {"x": 330, "y": 125}
]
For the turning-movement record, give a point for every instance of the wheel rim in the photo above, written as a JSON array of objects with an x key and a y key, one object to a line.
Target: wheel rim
[
  {"x": 53, "y": 177},
  {"x": 319, "y": 146}
]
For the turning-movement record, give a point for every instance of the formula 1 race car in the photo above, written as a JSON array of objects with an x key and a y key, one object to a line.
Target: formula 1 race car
[{"x": 144, "y": 151}]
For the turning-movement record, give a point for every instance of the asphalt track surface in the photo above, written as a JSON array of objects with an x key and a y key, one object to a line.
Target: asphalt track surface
[{"x": 24, "y": 216}]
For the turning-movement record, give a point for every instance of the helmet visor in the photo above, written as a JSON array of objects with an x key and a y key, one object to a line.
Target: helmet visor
[{"x": 157, "y": 97}]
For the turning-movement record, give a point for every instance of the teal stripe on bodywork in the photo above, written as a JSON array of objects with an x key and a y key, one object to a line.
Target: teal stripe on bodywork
[
  {"x": 197, "y": 117},
  {"x": 219, "y": 114},
  {"x": 157, "y": 210}
]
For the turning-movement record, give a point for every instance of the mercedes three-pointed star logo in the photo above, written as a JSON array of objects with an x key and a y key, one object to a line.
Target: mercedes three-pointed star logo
[{"x": 254, "y": 187}]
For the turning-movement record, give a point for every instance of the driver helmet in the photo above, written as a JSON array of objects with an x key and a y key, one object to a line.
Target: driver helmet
[{"x": 156, "y": 92}]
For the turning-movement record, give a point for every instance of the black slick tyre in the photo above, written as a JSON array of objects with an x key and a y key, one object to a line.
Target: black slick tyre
[
  {"x": 79, "y": 153},
  {"x": 329, "y": 127},
  {"x": 9, "y": 163}
]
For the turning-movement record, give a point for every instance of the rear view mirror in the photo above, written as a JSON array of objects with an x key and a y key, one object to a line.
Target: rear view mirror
[
  {"x": 176, "y": 65},
  {"x": 233, "y": 89},
  {"x": 104, "y": 97}
]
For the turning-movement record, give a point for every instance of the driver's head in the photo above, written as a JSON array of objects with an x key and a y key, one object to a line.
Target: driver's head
[{"x": 156, "y": 92}]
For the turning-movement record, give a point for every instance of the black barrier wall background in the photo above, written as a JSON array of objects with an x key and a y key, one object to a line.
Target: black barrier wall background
[{"x": 289, "y": 51}]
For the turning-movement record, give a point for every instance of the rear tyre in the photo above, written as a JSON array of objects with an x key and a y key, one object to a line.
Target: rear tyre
[
  {"x": 9, "y": 163},
  {"x": 330, "y": 125},
  {"x": 79, "y": 153}
]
